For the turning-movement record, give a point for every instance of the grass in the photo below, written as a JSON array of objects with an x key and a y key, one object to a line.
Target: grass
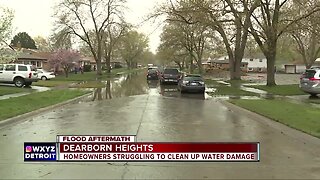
[
  {"x": 223, "y": 89},
  {"x": 227, "y": 90},
  {"x": 52, "y": 83},
  {"x": 210, "y": 83},
  {"x": 298, "y": 116},
  {"x": 20, "y": 105},
  {"x": 283, "y": 90},
  {"x": 90, "y": 84},
  {"x": 5, "y": 90}
]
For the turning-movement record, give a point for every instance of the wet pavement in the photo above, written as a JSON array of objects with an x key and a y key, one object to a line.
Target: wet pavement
[{"x": 131, "y": 105}]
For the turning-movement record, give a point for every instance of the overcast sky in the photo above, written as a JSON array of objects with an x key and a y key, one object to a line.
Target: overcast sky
[{"x": 35, "y": 17}]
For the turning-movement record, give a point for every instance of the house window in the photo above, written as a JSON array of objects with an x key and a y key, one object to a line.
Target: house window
[
  {"x": 250, "y": 69},
  {"x": 260, "y": 69},
  {"x": 1, "y": 67},
  {"x": 251, "y": 60},
  {"x": 260, "y": 60},
  {"x": 33, "y": 63},
  {"x": 39, "y": 64}
]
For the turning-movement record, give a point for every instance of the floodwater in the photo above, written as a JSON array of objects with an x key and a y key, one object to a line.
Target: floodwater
[{"x": 130, "y": 105}]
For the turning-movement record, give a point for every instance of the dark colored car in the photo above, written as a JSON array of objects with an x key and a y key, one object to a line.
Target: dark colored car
[
  {"x": 170, "y": 75},
  {"x": 153, "y": 74},
  {"x": 192, "y": 83}
]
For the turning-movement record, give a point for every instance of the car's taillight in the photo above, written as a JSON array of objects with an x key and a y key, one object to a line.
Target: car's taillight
[
  {"x": 314, "y": 79},
  {"x": 30, "y": 74}
]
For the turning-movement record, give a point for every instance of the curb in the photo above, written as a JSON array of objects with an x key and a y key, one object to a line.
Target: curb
[
  {"x": 23, "y": 117},
  {"x": 294, "y": 133}
]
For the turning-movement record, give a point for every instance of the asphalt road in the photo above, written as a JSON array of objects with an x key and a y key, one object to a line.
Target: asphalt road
[{"x": 129, "y": 105}]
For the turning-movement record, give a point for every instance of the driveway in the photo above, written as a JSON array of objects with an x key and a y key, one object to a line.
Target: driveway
[{"x": 153, "y": 115}]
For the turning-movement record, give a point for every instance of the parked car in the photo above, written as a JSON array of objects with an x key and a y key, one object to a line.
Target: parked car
[
  {"x": 170, "y": 75},
  {"x": 152, "y": 74},
  {"x": 45, "y": 75},
  {"x": 310, "y": 81},
  {"x": 18, "y": 74},
  {"x": 191, "y": 83}
]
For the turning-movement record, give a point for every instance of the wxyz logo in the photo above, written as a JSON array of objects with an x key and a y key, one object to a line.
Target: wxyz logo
[{"x": 45, "y": 149}]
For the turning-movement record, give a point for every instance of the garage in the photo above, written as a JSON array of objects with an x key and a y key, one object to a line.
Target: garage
[{"x": 290, "y": 69}]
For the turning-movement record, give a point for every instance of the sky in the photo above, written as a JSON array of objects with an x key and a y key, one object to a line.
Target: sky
[{"x": 35, "y": 17}]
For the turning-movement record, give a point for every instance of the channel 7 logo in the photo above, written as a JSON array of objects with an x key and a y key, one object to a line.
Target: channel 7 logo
[{"x": 28, "y": 149}]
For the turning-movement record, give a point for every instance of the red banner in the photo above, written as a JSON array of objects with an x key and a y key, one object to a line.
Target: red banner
[{"x": 155, "y": 147}]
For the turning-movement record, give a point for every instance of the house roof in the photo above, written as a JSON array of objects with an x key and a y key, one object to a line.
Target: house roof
[{"x": 30, "y": 56}]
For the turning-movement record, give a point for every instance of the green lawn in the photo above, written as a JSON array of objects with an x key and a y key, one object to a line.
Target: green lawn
[
  {"x": 298, "y": 116},
  {"x": 24, "y": 104},
  {"x": 90, "y": 84},
  {"x": 52, "y": 83},
  {"x": 223, "y": 89},
  {"x": 283, "y": 90},
  {"x": 5, "y": 90}
]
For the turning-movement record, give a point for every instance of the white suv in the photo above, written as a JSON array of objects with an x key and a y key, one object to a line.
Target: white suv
[{"x": 18, "y": 74}]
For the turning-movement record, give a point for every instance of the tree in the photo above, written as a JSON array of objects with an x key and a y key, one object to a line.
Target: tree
[
  {"x": 6, "y": 17},
  {"x": 131, "y": 47},
  {"x": 23, "y": 40},
  {"x": 65, "y": 59},
  {"x": 306, "y": 34},
  {"x": 42, "y": 44},
  {"x": 61, "y": 39},
  {"x": 225, "y": 17},
  {"x": 112, "y": 36},
  {"x": 269, "y": 23},
  {"x": 80, "y": 17}
]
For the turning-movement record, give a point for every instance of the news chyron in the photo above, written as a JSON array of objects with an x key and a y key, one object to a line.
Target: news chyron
[
  {"x": 111, "y": 148},
  {"x": 40, "y": 151}
]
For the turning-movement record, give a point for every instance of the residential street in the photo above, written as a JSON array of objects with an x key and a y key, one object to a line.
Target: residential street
[{"x": 131, "y": 106}]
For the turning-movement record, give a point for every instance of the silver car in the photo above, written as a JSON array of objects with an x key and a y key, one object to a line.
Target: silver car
[{"x": 310, "y": 81}]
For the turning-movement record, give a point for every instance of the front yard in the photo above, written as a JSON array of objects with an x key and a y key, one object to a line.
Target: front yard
[
  {"x": 19, "y": 105},
  {"x": 5, "y": 90},
  {"x": 299, "y": 116}
]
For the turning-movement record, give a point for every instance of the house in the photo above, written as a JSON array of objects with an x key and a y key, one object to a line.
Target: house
[
  {"x": 256, "y": 63},
  {"x": 298, "y": 67},
  {"x": 223, "y": 63},
  {"x": 37, "y": 59}
]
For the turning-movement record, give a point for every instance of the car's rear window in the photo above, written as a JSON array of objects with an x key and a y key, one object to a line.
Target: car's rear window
[
  {"x": 171, "y": 71},
  {"x": 309, "y": 73},
  {"x": 152, "y": 70},
  {"x": 193, "y": 78}
]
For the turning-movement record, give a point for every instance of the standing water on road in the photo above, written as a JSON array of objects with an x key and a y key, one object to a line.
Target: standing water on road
[{"x": 137, "y": 84}]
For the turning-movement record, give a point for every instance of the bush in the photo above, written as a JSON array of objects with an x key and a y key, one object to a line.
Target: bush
[{"x": 87, "y": 68}]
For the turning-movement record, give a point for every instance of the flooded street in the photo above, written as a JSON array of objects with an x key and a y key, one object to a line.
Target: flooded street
[{"x": 131, "y": 105}]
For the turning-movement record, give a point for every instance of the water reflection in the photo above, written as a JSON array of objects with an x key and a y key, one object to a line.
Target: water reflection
[{"x": 123, "y": 86}]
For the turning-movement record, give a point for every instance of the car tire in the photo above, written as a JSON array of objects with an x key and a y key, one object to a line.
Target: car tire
[
  {"x": 313, "y": 95},
  {"x": 44, "y": 78},
  {"x": 19, "y": 82}
]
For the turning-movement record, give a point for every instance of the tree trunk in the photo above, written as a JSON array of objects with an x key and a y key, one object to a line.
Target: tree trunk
[
  {"x": 108, "y": 60},
  {"x": 271, "y": 59},
  {"x": 66, "y": 72},
  {"x": 236, "y": 74},
  {"x": 99, "y": 68}
]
